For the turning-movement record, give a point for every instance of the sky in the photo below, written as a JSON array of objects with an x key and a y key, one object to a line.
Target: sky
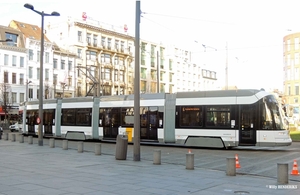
[{"x": 244, "y": 35}]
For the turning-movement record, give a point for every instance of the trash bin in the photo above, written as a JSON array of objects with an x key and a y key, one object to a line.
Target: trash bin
[{"x": 121, "y": 147}]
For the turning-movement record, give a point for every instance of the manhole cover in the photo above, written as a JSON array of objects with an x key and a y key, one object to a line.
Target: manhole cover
[{"x": 241, "y": 192}]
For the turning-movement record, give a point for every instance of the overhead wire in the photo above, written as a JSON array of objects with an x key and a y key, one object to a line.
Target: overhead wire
[{"x": 196, "y": 19}]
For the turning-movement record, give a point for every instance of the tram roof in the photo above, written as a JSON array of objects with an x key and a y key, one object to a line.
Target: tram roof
[{"x": 218, "y": 93}]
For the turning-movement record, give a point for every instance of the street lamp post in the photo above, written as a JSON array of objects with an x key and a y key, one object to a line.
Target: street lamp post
[
  {"x": 42, "y": 14},
  {"x": 27, "y": 92}
]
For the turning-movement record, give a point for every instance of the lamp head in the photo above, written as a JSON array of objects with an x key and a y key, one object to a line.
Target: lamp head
[
  {"x": 55, "y": 14},
  {"x": 29, "y": 6}
]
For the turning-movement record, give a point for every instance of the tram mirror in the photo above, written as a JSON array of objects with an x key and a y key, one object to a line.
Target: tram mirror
[
  {"x": 232, "y": 123},
  {"x": 160, "y": 122}
]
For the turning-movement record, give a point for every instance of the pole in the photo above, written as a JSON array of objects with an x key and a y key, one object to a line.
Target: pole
[
  {"x": 136, "y": 143},
  {"x": 157, "y": 56},
  {"x": 40, "y": 132},
  {"x": 226, "y": 69}
]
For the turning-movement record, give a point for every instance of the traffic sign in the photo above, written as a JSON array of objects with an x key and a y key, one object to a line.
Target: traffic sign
[{"x": 38, "y": 120}]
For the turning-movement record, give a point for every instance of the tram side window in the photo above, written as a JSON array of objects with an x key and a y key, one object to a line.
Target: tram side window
[
  {"x": 31, "y": 117},
  {"x": 68, "y": 117},
  {"x": 83, "y": 116},
  {"x": 49, "y": 117},
  {"x": 191, "y": 116},
  {"x": 218, "y": 116},
  {"x": 127, "y": 117}
]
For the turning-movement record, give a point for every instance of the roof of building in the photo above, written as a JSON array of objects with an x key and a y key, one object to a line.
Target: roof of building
[{"x": 28, "y": 30}]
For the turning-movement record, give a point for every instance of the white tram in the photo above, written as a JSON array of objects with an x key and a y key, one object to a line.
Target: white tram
[{"x": 224, "y": 118}]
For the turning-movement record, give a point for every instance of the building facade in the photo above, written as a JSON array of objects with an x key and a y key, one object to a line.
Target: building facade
[
  {"x": 291, "y": 66},
  {"x": 13, "y": 63},
  {"x": 32, "y": 41},
  {"x": 104, "y": 64}
]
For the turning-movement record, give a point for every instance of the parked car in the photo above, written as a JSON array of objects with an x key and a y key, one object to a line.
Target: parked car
[{"x": 14, "y": 127}]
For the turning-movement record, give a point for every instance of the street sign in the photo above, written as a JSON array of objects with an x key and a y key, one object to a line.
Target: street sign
[{"x": 38, "y": 120}]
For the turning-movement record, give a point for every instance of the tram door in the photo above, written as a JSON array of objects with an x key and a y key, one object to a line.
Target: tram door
[
  {"x": 149, "y": 123},
  {"x": 31, "y": 121},
  {"x": 248, "y": 124},
  {"x": 111, "y": 122},
  {"x": 48, "y": 121}
]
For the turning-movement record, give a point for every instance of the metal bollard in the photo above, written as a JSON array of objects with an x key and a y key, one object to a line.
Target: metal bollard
[
  {"x": 97, "y": 148},
  {"x": 21, "y": 138},
  {"x": 189, "y": 161},
  {"x": 5, "y": 136},
  {"x": 80, "y": 147},
  {"x": 51, "y": 143},
  {"x": 282, "y": 173},
  {"x": 157, "y": 157},
  {"x": 65, "y": 145},
  {"x": 121, "y": 147},
  {"x": 13, "y": 137},
  {"x": 30, "y": 140},
  {"x": 230, "y": 167}
]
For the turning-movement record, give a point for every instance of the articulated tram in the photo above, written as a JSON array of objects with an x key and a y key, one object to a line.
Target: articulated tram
[{"x": 224, "y": 118}]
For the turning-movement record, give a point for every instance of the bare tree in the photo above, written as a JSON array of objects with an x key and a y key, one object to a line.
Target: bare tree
[{"x": 5, "y": 97}]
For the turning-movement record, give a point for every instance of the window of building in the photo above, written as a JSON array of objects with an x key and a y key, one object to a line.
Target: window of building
[
  {"x": 55, "y": 63},
  {"x": 70, "y": 65},
  {"x": 14, "y": 97},
  {"x": 30, "y": 72},
  {"x": 13, "y": 37},
  {"x": 107, "y": 74},
  {"x": 62, "y": 64},
  {"x": 47, "y": 74},
  {"x": 143, "y": 73},
  {"x": 30, "y": 93},
  {"x": 79, "y": 36},
  {"x": 297, "y": 90},
  {"x": 91, "y": 55},
  {"x": 116, "y": 75},
  {"x": 122, "y": 46},
  {"x": 14, "y": 60},
  {"x": 54, "y": 79},
  {"x": 22, "y": 97},
  {"x": 47, "y": 57},
  {"x": 88, "y": 38},
  {"x": 103, "y": 42},
  {"x": 38, "y": 73},
  {"x": 30, "y": 54},
  {"x": 6, "y": 60},
  {"x": 38, "y": 56},
  {"x": 105, "y": 58},
  {"x": 79, "y": 53},
  {"x": 78, "y": 89},
  {"x": 117, "y": 45},
  {"x": 21, "y": 61},
  {"x": 70, "y": 81},
  {"x": 121, "y": 76},
  {"x": 21, "y": 79},
  {"x": 14, "y": 78},
  {"x": 5, "y": 77},
  {"x": 109, "y": 43},
  {"x": 95, "y": 40},
  {"x": 288, "y": 45}
]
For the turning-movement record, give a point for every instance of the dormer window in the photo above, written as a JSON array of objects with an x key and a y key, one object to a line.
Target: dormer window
[
  {"x": 22, "y": 25},
  {"x": 33, "y": 27}
]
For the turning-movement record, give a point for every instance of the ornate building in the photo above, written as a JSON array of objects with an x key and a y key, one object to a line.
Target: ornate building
[{"x": 104, "y": 64}]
